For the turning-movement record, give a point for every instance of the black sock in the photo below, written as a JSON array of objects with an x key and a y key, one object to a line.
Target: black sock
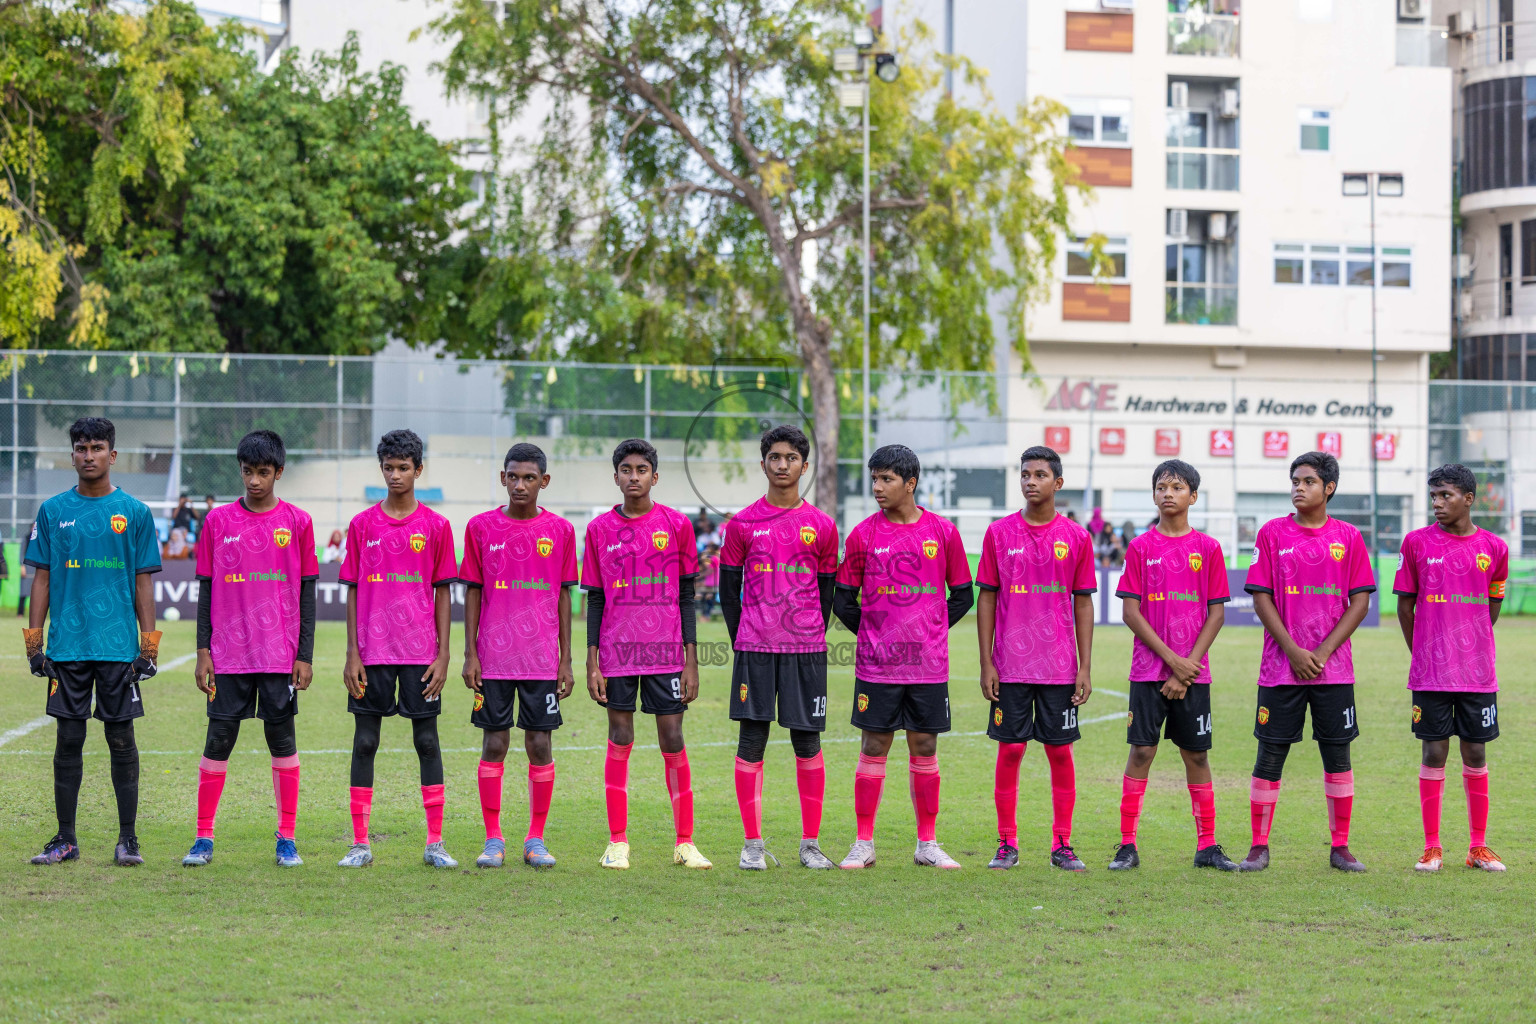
[
  {"x": 424, "y": 735},
  {"x": 365, "y": 743},
  {"x": 124, "y": 753},
  {"x": 68, "y": 767}
]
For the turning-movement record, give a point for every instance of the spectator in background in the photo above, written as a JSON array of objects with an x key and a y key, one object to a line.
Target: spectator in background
[
  {"x": 1104, "y": 545},
  {"x": 1072, "y": 515},
  {"x": 335, "y": 548},
  {"x": 208, "y": 504},
  {"x": 701, "y": 524},
  {"x": 183, "y": 517},
  {"x": 25, "y": 571},
  {"x": 1127, "y": 534},
  {"x": 709, "y": 580},
  {"x": 710, "y": 535},
  {"x": 177, "y": 546},
  {"x": 1096, "y": 523}
]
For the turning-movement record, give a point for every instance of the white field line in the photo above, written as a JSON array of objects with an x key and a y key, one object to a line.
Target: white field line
[{"x": 37, "y": 723}]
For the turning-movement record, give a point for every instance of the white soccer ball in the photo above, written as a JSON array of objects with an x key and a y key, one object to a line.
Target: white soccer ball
[{"x": 172, "y": 614}]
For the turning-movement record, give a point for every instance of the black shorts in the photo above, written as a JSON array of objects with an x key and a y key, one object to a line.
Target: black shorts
[
  {"x": 914, "y": 707},
  {"x": 537, "y": 700},
  {"x": 379, "y": 694},
  {"x": 798, "y": 680},
  {"x": 1188, "y": 718},
  {"x": 269, "y": 696},
  {"x": 1034, "y": 711},
  {"x": 660, "y": 694},
  {"x": 117, "y": 694},
  {"x": 1441, "y": 714},
  {"x": 1283, "y": 709}
]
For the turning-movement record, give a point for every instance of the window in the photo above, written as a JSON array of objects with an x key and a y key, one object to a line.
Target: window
[
  {"x": 1100, "y": 122},
  {"x": 1358, "y": 266},
  {"x": 1314, "y": 130},
  {"x": 1325, "y": 270},
  {"x": 1506, "y": 270},
  {"x": 1080, "y": 263},
  {"x": 1326, "y": 265},
  {"x": 1528, "y": 252},
  {"x": 1290, "y": 264},
  {"x": 1396, "y": 267}
]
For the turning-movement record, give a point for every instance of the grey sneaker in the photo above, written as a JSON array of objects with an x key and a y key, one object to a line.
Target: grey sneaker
[
  {"x": 359, "y": 856},
  {"x": 931, "y": 855},
  {"x": 754, "y": 857},
  {"x": 494, "y": 856},
  {"x": 862, "y": 855},
  {"x": 434, "y": 856},
  {"x": 812, "y": 857}
]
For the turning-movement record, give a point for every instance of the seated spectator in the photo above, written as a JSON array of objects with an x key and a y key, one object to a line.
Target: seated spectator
[
  {"x": 709, "y": 581},
  {"x": 177, "y": 546},
  {"x": 335, "y": 548}
]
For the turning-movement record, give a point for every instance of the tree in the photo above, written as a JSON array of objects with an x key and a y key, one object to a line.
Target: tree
[
  {"x": 690, "y": 152},
  {"x": 160, "y": 194}
]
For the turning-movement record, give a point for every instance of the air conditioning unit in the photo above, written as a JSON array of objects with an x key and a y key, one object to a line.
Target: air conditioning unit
[
  {"x": 1178, "y": 224},
  {"x": 1178, "y": 95},
  {"x": 1465, "y": 307},
  {"x": 1229, "y": 103},
  {"x": 1463, "y": 265},
  {"x": 1412, "y": 8},
  {"x": 1217, "y": 227},
  {"x": 1117, "y": 5},
  {"x": 1459, "y": 24}
]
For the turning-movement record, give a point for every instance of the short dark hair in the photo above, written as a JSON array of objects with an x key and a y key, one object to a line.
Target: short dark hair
[
  {"x": 525, "y": 452},
  {"x": 400, "y": 444},
  {"x": 635, "y": 446},
  {"x": 262, "y": 448},
  {"x": 93, "y": 428},
  {"x": 1179, "y": 470},
  {"x": 1326, "y": 465},
  {"x": 1040, "y": 453},
  {"x": 1455, "y": 474},
  {"x": 790, "y": 435},
  {"x": 899, "y": 459}
]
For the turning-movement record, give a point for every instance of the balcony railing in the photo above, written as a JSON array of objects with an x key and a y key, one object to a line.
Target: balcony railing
[
  {"x": 1206, "y": 169},
  {"x": 1423, "y": 46},
  {"x": 1199, "y": 303},
  {"x": 1196, "y": 33}
]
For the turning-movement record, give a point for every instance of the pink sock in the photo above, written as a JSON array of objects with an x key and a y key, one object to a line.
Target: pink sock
[
  {"x": 490, "y": 775},
  {"x": 1202, "y": 804},
  {"x": 362, "y": 804},
  {"x": 923, "y": 782},
  {"x": 616, "y": 790},
  {"x": 285, "y": 793},
  {"x": 1063, "y": 792},
  {"x": 680, "y": 788},
  {"x": 1005, "y": 791},
  {"x": 1475, "y": 781},
  {"x": 1431, "y": 791},
  {"x": 210, "y": 786},
  {"x": 1131, "y": 793},
  {"x": 749, "y": 796},
  {"x": 811, "y": 779},
  {"x": 541, "y": 790},
  {"x": 1339, "y": 790},
  {"x": 1261, "y": 801},
  {"x": 432, "y": 802},
  {"x": 868, "y": 785}
]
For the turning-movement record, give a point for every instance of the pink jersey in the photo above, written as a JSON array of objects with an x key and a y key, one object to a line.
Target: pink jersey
[
  {"x": 781, "y": 553},
  {"x": 395, "y": 566},
  {"x": 638, "y": 565},
  {"x": 902, "y": 569},
  {"x": 1036, "y": 571},
  {"x": 1453, "y": 579},
  {"x": 1176, "y": 580},
  {"x": 252, "y": 564},
  {"x": 520, "y": 566},
  {"x": 1312, "y": 574}
]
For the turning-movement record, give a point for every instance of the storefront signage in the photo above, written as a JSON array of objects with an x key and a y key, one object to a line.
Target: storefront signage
[
  {"x": 1059, "y": 438},
  {"x": 1277, "y": 444},
  {"x": 1167, "y": 442},
  {"x": 1111, "y": 441},
  {"x": 1332, "y": 442},
  {"x": 1386, "y": 447},
  {"x": 1221, "y": 443},
  {"x": 1082, "y": 396}
]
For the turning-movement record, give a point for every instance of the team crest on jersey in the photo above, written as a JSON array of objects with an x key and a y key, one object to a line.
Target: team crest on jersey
[
  {"x": 863, "y": 702},
  {"x": 1060, "y": 547},
  {"x": 1130, "y": 716},
  {"x": 479, "y": 701},
  {"x": 1337, "y": 551},
  {"x": 997, "y": 716},
  {"x": 545, "y": 546},
  {"x": 742, "y": 694},
  {"x": 281, "y": 536},
  {"x": 119, "y": 523},
  {"x": 660, "y": 539},
  {"x": 931, "y": 548},
  {"x": 213, "y": 690},
  {"x": 1195, "y": 561},
  {"x": 418, "y": 542},
  {"x": 1483, "y": 561},
  {"x": 1418, "y": 714},
  {"x": 53, "y": 687},
  {"x": 1263, "y": 715},
  {"x": 808, "y": 535}
]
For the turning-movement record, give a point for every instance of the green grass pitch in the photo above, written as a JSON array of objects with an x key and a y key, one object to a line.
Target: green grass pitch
[{"x": 243, "y": 941}]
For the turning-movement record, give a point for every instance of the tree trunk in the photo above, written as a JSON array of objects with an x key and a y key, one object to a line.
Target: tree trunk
[{"x": 817, "y": 360}]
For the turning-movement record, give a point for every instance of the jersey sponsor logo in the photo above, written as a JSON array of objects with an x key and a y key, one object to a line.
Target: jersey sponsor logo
[
  {"x": 660, "y": 539},
  {"x": 64, "y": 523},
  {"x": 997, "y": 716},
  {"x": 931, "y": 548},
  {"x": 1483, "y": 561},
  {"x": 479, "y": 700},
  {"x": 883, "y": 551},
  {"x": 1336, "y": 550},
  {"x": 497, "y": 547},
  {"x": 1418, "y": 714},
  {"x": 119, "y": 523},
  {"x": 1195, "y": 561},
  {"x": 1283, "y": 551},
  {"x": 418, "y": 542},
  {"x": 1263, "y": 715},
  {"x": 863, "y": 702},
  {"x": 613, "y": 547},
  {"x": 761, "y": 533},
  {"x": 282, "y": 536},
  {"x": 372, "y": 543},
  {"x": 234, "y": 539},
  {"x": 545, "y": 546},
  {"x": 1060, "y": 548},
  {"x": 808, "y": 535},
  {"x": 743, "y": 693},
  {"x": 71, "y": 563},
  {"x": 1014, "y": 551}
]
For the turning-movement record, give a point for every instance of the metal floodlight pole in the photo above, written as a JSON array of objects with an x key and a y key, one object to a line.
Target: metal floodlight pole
[
  {"x": 864, "y": 468},
  {"x": 1375, "y": 265}
]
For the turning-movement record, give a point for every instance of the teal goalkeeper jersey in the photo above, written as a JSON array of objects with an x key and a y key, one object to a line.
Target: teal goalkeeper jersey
[{"x": 93, "y": 548}]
